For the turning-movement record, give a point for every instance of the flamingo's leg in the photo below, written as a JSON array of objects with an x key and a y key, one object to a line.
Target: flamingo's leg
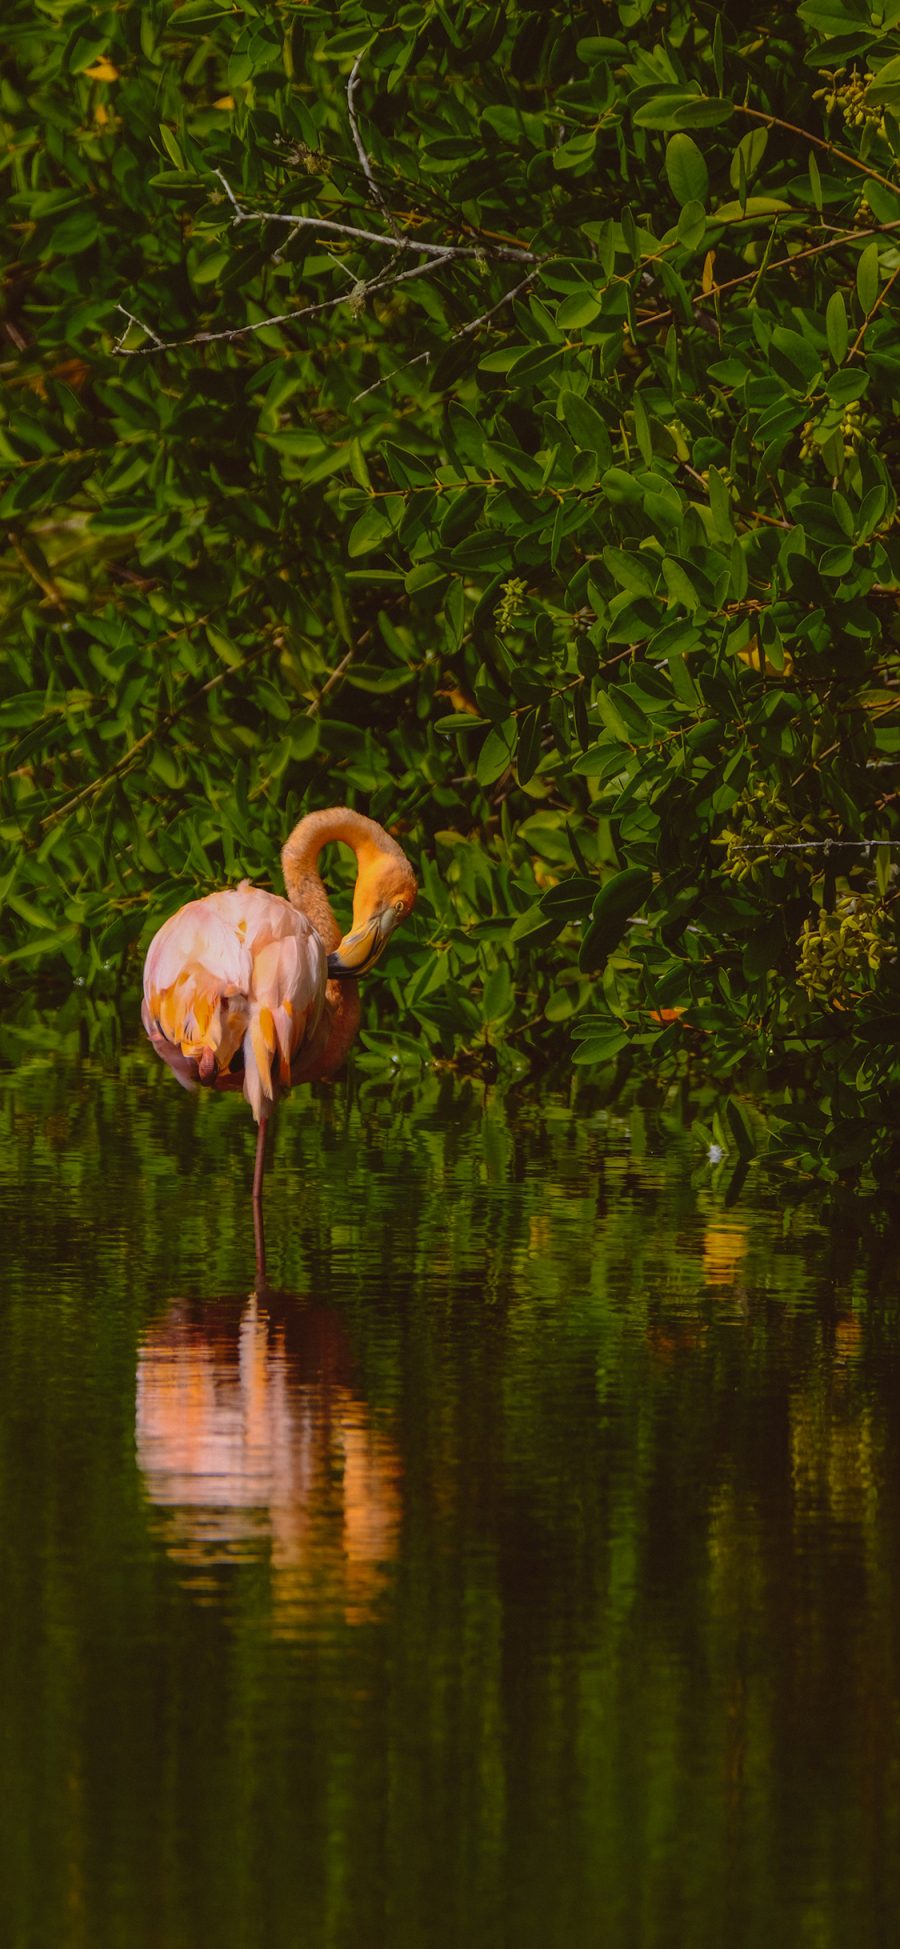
[
  {"x": 260, "y": 1160},
  {"x": 258, "y": 1231},
  {"x": 259, "y": 1239}
]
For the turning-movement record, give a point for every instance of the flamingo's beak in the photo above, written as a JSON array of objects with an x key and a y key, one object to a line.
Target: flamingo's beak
[{"x": 359, "y": 950}]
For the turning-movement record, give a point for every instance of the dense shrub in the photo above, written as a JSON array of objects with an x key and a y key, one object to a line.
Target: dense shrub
[{"x": 483, "y": 414}]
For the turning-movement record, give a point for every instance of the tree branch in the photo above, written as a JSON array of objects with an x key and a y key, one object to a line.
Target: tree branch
[
  {"x": 884, "y": 293},
  {"x": 777, "y": 264},
  {"x": 329, "y": 226},
  {"x": 119, "y": 346},
  {"x": 355, "y": 296},
  {"x": 818, "y": 141},
  {"x": 376, "y": 192},
  {"x": 462, "y": 332}
]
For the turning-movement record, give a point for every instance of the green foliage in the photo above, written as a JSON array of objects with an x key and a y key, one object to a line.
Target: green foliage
[{"x": 550, "y": 520}]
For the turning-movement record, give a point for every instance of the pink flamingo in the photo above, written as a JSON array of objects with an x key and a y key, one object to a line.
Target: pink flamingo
[{"x": 246, "y": 991}]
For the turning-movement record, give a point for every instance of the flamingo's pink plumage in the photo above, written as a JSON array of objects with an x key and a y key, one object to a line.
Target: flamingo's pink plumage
[
  {"x": 244, "y": 990},
  {"x": 238, "y": 970}
]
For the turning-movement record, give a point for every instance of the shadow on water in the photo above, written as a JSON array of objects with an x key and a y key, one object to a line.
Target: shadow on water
[{"x": 520, "y": 1568}]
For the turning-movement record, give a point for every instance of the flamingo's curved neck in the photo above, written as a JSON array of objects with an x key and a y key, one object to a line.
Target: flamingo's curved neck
[{"x": 300, "y": 856}]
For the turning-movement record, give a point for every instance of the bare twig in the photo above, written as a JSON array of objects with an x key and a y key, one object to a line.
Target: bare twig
[
  {"x": 377, "y": 193},
  {"x": 818, "y": 141},
  {"x": 334, "y": 678},
  {"x": 356, "y": 295},
  {"x": 882, "y": 295},
  {"x": 120, "y": 342},
  {"x": 804, "y": 845},
  {"x": 328, "y": 226},
  {"x": 776, "y": 264},
  {"x": 436, "y": 256},
  {"x": 44, "y": 582},
  {"x": 406, "y": 367},
  {"x": 507, "y": 298},
  {"x": 463, "y": 331}
]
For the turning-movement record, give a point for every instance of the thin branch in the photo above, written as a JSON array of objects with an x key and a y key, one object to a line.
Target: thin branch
[
  {"x": 777, "y": 264},
  {"x": 329, "y": 685},
  {"x": 507, "y": 298},
  {"x": 327, "y": 225},
  {"x": 406, "y": 367},
  {"x": 882, "y": 295},
  {"x": 49, "y": 587},
  {"x": 463, "y": 332},
  {"x": 357, "y": 296},
  {"x": 819, "y": 142},
  {"x": 376, "y": 192},
  {"x": 803, "y": 845},
  {"x": 337, "y": 673},
  {"x": 238, "y": 212},
  {"x": 120, "y": 342}
]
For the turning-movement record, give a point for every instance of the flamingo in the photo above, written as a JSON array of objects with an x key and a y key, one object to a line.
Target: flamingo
[{"x": 246, "y": 991}]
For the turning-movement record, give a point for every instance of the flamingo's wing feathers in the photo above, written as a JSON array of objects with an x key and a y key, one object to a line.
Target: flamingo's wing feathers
[
  {"x": 238, "y": 967},
  {"x": 289, "y": 974},
  {"x": 203, "y": 934}
]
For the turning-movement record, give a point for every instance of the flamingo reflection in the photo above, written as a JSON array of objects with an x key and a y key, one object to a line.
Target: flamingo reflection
[{"x": 255, "y": 1446}]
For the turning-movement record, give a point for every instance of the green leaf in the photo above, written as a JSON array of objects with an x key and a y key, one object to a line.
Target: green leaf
[
  {"x": 740, "y": 1128},
  {"x": 586, "y": 425},
  {"x": 747, "y": 157},
  {"x": 632, "y": 570},
  {"x": 867, "y": 277},
  {"x": 691, "y": 229},
  {"x": 884, "y": 87},
  {"x": 171, "y": 146},
  {"x": 642, "y": 429},
  {"x": 528, "y": 747},
  {"x": 718, "y": 54},
  {"x": 798, "y": 353},
  {"x": 676, "y": 109},
  {"x": 836, "y": 327},
  {"x": 614, "y": 906},
  {"x": 579, "y": 310},
  {"x": 498, "y": 997},
  {"x": 686, "y": 170},
  {"x": 368, "y": 532},
  {"x": 601, "y": 1047},
  {"x": 41, "y": 946},
  {"x": 751, "y": 208},
  {"x": 679, "y": 584},
  {"x": 535, "y": 928},
  {"x": 573, "y": 897},
  {"x": 460, "y": 721},
  {"x": 496, "y": 753}
]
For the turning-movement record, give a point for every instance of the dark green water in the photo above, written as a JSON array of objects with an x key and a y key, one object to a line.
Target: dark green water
[{"x": 523, "y": 1570}]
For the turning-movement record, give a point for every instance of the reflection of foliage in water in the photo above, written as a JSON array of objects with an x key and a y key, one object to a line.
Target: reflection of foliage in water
[{"x": 632, "y": 1657}]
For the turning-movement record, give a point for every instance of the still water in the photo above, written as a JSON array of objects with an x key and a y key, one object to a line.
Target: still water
[{"x": 522, "y": 1567}]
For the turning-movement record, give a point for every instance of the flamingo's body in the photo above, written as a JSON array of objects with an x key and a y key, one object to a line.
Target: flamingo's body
[
  {"x": 234, "y": 990},
  {"x": 245, "y": 990}
]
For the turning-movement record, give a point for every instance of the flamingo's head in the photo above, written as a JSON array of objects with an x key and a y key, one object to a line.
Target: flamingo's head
[{"x": 385, "y": 893}]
